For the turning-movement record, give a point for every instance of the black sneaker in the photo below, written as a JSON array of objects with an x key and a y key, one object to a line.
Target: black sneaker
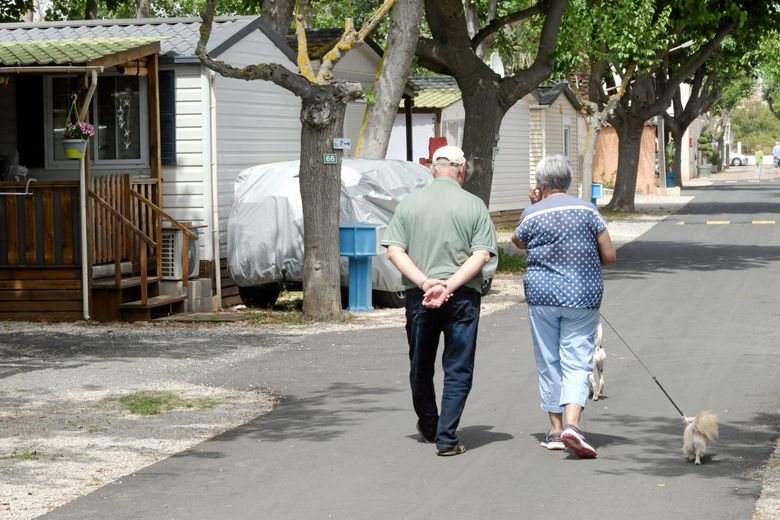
[{"x": 573, "y": 438}]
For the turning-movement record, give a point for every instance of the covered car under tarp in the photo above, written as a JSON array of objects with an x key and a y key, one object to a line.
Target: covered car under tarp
[{"x": 265, "y": 225}]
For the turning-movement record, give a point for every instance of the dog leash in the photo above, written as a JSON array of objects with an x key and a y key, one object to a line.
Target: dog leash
[{"x": 655, "y": 379}]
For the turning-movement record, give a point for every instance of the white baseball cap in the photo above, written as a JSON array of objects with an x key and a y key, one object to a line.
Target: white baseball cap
[{"x": 451, "y": 154}]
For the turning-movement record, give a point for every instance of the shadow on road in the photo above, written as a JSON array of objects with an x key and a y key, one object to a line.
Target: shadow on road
[
  {"x": 23, "y": 352},
  {"x": 326, "y": 414},
  {"x": 638, "y": 259}
]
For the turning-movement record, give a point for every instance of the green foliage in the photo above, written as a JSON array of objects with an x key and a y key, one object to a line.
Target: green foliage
[
  {"x": 154, "y": 403},
  {"x": 669, "y": 154},
  {"x": 755, "y": 125},
  {"x": 24, "y": 454},
  {"x": 707, "y": 148},
  {"x": 13, "y": 10},
  {"x": 769, "y": 54},
  {"x": 74, "y": 9},
  {"x": 510, "y": 263},
  {"x": 622, "y": 32}
]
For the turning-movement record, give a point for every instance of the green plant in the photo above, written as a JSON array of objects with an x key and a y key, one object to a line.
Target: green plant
[
  {"x": 707, "y": 149},
  {"x": 669, "y": 155},
  {"x": 510, "y": 262},
  {"x": 154, "y": 402},
  {"x": 24, "y": 454}
]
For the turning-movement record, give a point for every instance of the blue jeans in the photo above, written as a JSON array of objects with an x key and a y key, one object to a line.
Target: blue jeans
[
  {"x": 458, "y": 319},
  {"x": 564, "y": 340}
]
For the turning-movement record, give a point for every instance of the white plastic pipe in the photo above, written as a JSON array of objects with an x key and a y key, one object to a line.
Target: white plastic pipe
[{"x": 215, "y": 188}]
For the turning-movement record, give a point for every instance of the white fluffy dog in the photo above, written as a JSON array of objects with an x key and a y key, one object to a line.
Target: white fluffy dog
[
  {"x": 699, "y": 431},
  {"x": 596, "y": 377}
]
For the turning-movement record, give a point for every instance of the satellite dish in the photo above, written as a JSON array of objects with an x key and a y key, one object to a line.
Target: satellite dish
[{"x": 496, "y": 63}]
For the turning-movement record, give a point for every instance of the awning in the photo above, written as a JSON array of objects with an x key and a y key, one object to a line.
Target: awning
[{"x": 87, "y": 52}]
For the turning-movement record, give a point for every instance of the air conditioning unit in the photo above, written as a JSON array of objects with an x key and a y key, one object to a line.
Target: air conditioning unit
[{"x": 172, "y": 244}]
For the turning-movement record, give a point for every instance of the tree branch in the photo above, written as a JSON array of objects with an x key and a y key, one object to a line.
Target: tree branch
[
  {"x": 304, "y": 63},
  {"x": 349, "y": 40},
  {"x": 273, "y": 72},
  {"x": 542, "y": 66},
  {"x": 494, "y": 26}
]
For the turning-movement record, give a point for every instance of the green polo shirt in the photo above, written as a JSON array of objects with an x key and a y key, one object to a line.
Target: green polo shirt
[{"x": 440, "y": 226}]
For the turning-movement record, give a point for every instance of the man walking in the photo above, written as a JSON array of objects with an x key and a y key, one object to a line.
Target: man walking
[
  {"x": 776, "y": 154},
  {"x": 440, "y": 238}
]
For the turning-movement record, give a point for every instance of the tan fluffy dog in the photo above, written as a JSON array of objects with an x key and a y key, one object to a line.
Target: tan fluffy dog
[{"x": 699, "y": 431}]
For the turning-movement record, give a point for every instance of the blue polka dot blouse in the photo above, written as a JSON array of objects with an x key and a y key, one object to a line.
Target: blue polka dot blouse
[{"x": 564, "y": 269}]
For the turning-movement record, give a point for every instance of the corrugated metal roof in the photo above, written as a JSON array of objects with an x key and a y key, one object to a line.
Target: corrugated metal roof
[
  {"x": 181, "y": 34},
  {"x": 66, "y": 52},
  {"x": 438, "y": 98}
]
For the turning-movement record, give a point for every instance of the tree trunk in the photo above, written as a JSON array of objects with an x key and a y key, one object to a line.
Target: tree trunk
[
  {"x": 142, "y": 8},
  {"x": 322, "y": 116},
  {"x": 90, "y": 10},
  {"x": 594, "y": 127},
  {"x": 484, "y": 113},
  {"x": 629, "y": 132},
  {"x": 677, "y": 137},
  {"x": 278, "y": 14},
  {"x": 391, "y": 79}
]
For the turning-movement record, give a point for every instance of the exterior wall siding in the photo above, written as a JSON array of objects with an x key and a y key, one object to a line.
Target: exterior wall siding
[
  {"x": 353, "y": 120},
  {"x": 511, "y": 180},
  {"x": 536, "y": 139},
  {"x": 258, "y": 122},
  {"x": 182, "y": 187}
]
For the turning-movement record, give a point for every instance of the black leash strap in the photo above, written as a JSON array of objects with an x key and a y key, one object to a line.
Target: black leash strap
[{"x": 655, "y": 379}]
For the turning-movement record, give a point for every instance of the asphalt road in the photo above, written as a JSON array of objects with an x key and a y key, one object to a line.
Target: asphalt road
[{"x": 697, "y": 301}]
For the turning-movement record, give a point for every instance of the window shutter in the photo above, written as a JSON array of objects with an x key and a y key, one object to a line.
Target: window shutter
[{"x": 167, "y": 117}]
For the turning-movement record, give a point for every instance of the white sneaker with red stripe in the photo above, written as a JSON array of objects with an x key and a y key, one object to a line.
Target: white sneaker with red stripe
[{"x": 573, "y": 438}]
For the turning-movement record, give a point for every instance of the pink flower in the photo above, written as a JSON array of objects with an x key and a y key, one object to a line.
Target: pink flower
[{"x": 82, "y": 130}]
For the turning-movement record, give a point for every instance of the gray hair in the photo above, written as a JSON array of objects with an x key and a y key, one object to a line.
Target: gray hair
[{"x": 554, "y": 172}]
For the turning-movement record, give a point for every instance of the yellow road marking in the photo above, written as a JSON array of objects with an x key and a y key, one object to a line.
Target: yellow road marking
[
  {"x": 718, "y": 222},
  {"x": 763, "y": 222},
  {"x": 731, "y": 182},
  {"x": 680, "y": 223},
  {"x": 755, "y": 180}
]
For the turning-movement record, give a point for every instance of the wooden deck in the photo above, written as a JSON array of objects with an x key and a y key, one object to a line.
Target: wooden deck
[{"x": 40, "y": 250}]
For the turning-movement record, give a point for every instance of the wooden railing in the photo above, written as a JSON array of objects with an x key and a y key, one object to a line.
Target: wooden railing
[
  {"x": 39, "y": 224},
  {"x": 120, "y": 225},
  {"x": 142, "y": 216},
  {"x": 108, "y": 246},
  {"x": 188, "y": 234}
]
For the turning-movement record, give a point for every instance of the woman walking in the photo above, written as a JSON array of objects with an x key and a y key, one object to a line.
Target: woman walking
[{"x": 567, "y": 242}]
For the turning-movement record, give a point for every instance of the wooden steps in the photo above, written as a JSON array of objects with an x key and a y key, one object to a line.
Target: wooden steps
[
  {"x": 124, "y": 283},
  {"x": 155, "y": 307},
  {"x": 112, "y": 302}
]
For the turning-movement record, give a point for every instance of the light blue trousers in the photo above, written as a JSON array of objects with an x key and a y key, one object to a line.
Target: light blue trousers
[{"x": 564, "y": 340}]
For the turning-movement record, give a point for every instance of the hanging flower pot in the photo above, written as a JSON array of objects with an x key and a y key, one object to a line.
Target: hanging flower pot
[
  {"x": 76, "y": 133},
  {"x": 74, "y": 148}
]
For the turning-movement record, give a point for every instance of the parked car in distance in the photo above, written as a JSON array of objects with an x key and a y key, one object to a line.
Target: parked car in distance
[
  {"x": 739, "y": 159},
  {"x": 265, "y": 226}
]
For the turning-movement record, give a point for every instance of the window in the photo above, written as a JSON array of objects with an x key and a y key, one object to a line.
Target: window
[
  {"x": 567, "y": 139},
  {"x": 118, "y": 113}
]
